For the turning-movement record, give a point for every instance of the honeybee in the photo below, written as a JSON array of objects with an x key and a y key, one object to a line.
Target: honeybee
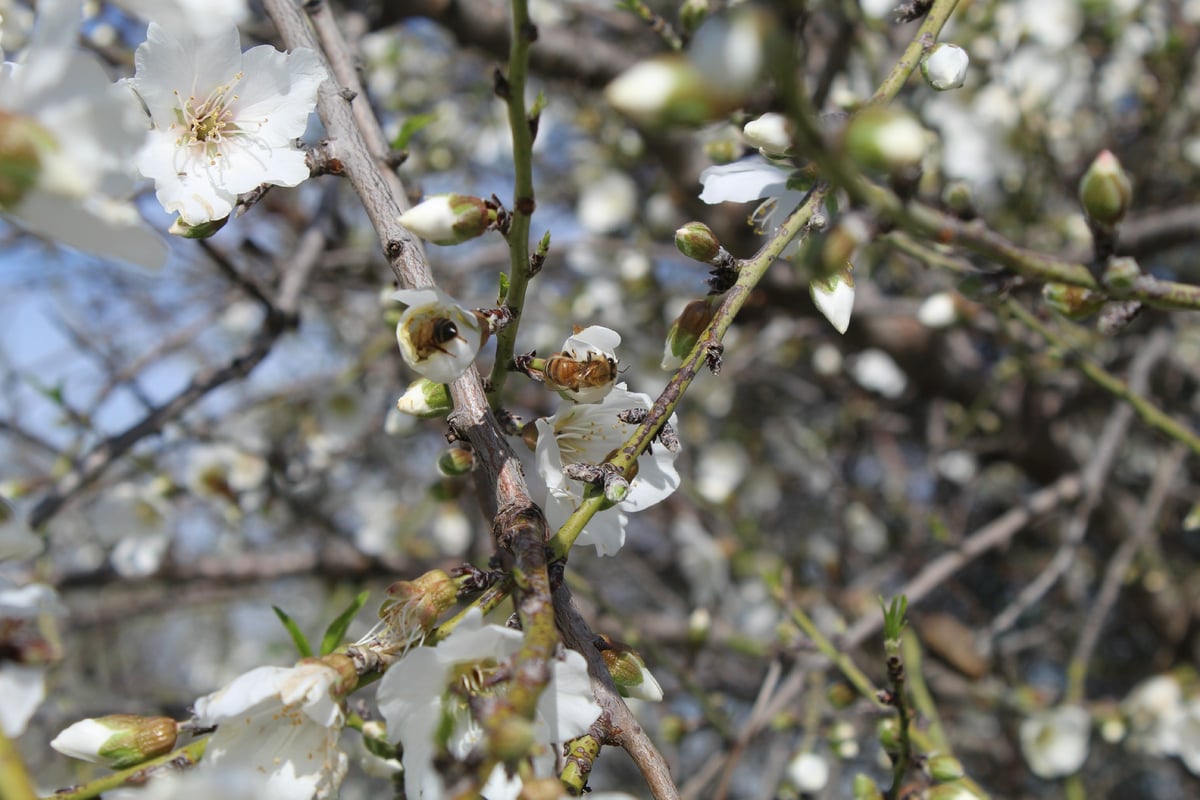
[
  {"x": 432, "y": 334},
  {"x": 564, "y": 373}
]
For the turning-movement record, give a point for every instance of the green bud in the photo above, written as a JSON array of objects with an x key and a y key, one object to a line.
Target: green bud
[
  {"x": 1105, "y": 191},
  {"x": 945, "y": 768},
  {"x": 426, "y": 399},
  {"x": 629, "y": 672},
  {"x": 1073, "y": 302},
  {"x": 201, "y": 230},
  {"x": 1120, "y": 275},
  {"x": 697, "y": 241},
  {"x": 958, "y": 199},
  {"x": 885, "y": 139},
  {"x": 951, "y": 791},
  {"x": 888, "y": 732},
  {"x": 118, "y": 740},
  {"x": 456, "y": 461},
  {"x": 865, "y": 788}
]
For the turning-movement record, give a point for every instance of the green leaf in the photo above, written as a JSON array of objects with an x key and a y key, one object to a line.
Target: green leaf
[
  {"x": 410, "y": 128},
  {"x": 298, "y": 637},
  {"x": 503, "y": 288},
  {"x": 893, "y": 617},
  {"x": 337, "y": 629}
]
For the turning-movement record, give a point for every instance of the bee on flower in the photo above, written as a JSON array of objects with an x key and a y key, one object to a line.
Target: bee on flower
[{"x": 438, "y": 338}]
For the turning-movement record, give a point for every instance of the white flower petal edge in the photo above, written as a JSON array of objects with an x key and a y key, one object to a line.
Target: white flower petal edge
[
  {"x": 223, "y": 121},
  {"x": 742, "y": 181},
  {"x": 283, "y": 722},
  {"x": 440, "y": 362}
]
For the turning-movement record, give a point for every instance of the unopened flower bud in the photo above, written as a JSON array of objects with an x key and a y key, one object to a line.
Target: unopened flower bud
[
  {"x": 865, "y": 788},
  {"x": 945, "y": 768},
  {"x": 456, "y": 461},
  {"x": 662, "y": 91},
  {"x": 834, "y": 297},
  {"x": 808, "y": 772},
  {"x": 425, "y": 398},
  {"x": 448, "y": 218},
  {"x": 201, "y": 230},
  {"x": 945, "y": 66},
  {"x": 888, "y": 731},
  {"x": 885, "y": 139},
  {"x": 699, "y": 626},
  {"x": 1105, "y": 191},
  {"x": 959, "y": 200},
  {"x": 629, "y": 672},
  {"x": 1120, "y": 275},
  {"x": 938, "y": 311},
  {"x": 951, "y": 791},
  {"x": 686, "y": 329},
  {"x": 22, "y": 141},
  {"x": 771, "y": 134},
  {"x": 697, "y": 241},
  {"x": 118, "y": 740},
  {"x": 1073, "y": 302}
]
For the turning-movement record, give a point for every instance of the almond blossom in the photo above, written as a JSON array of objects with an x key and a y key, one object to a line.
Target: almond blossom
[
  {"x": 223, "y": 122},
  {"x": 587, "y": 434},
  {"x": 438, "y": 338},
  {"x": 283, "y": 722},
  {"x": 425, "y": 715}
]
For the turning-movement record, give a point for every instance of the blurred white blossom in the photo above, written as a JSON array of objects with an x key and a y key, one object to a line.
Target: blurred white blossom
[
  {"x": 29, "y": 639},
  {"x": 71, "y": 128},
  {"x": 1055, "y": 741}
]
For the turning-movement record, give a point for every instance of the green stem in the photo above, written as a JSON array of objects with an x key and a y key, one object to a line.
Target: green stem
[
  {"x": 840, "y": 660},
  {"x": 750, "y": 272},
  {"x": 521, "y": 39},
  {"x": 926, "y": 36},
  {"x": 1151, "y": 414},
  {"x": 922, "y": 698},
  {"x": 183, "y": 757},
  {"x": 14, "y": 778}
]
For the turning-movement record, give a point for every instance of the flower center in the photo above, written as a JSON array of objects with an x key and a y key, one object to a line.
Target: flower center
[{"x": 208, "y": 120}]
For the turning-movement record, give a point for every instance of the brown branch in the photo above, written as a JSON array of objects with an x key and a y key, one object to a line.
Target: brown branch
[{"x": 620, "y": 726}]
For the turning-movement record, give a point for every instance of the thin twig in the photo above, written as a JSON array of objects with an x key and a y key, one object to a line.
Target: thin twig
[{"x": 1118, "y": 567}]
